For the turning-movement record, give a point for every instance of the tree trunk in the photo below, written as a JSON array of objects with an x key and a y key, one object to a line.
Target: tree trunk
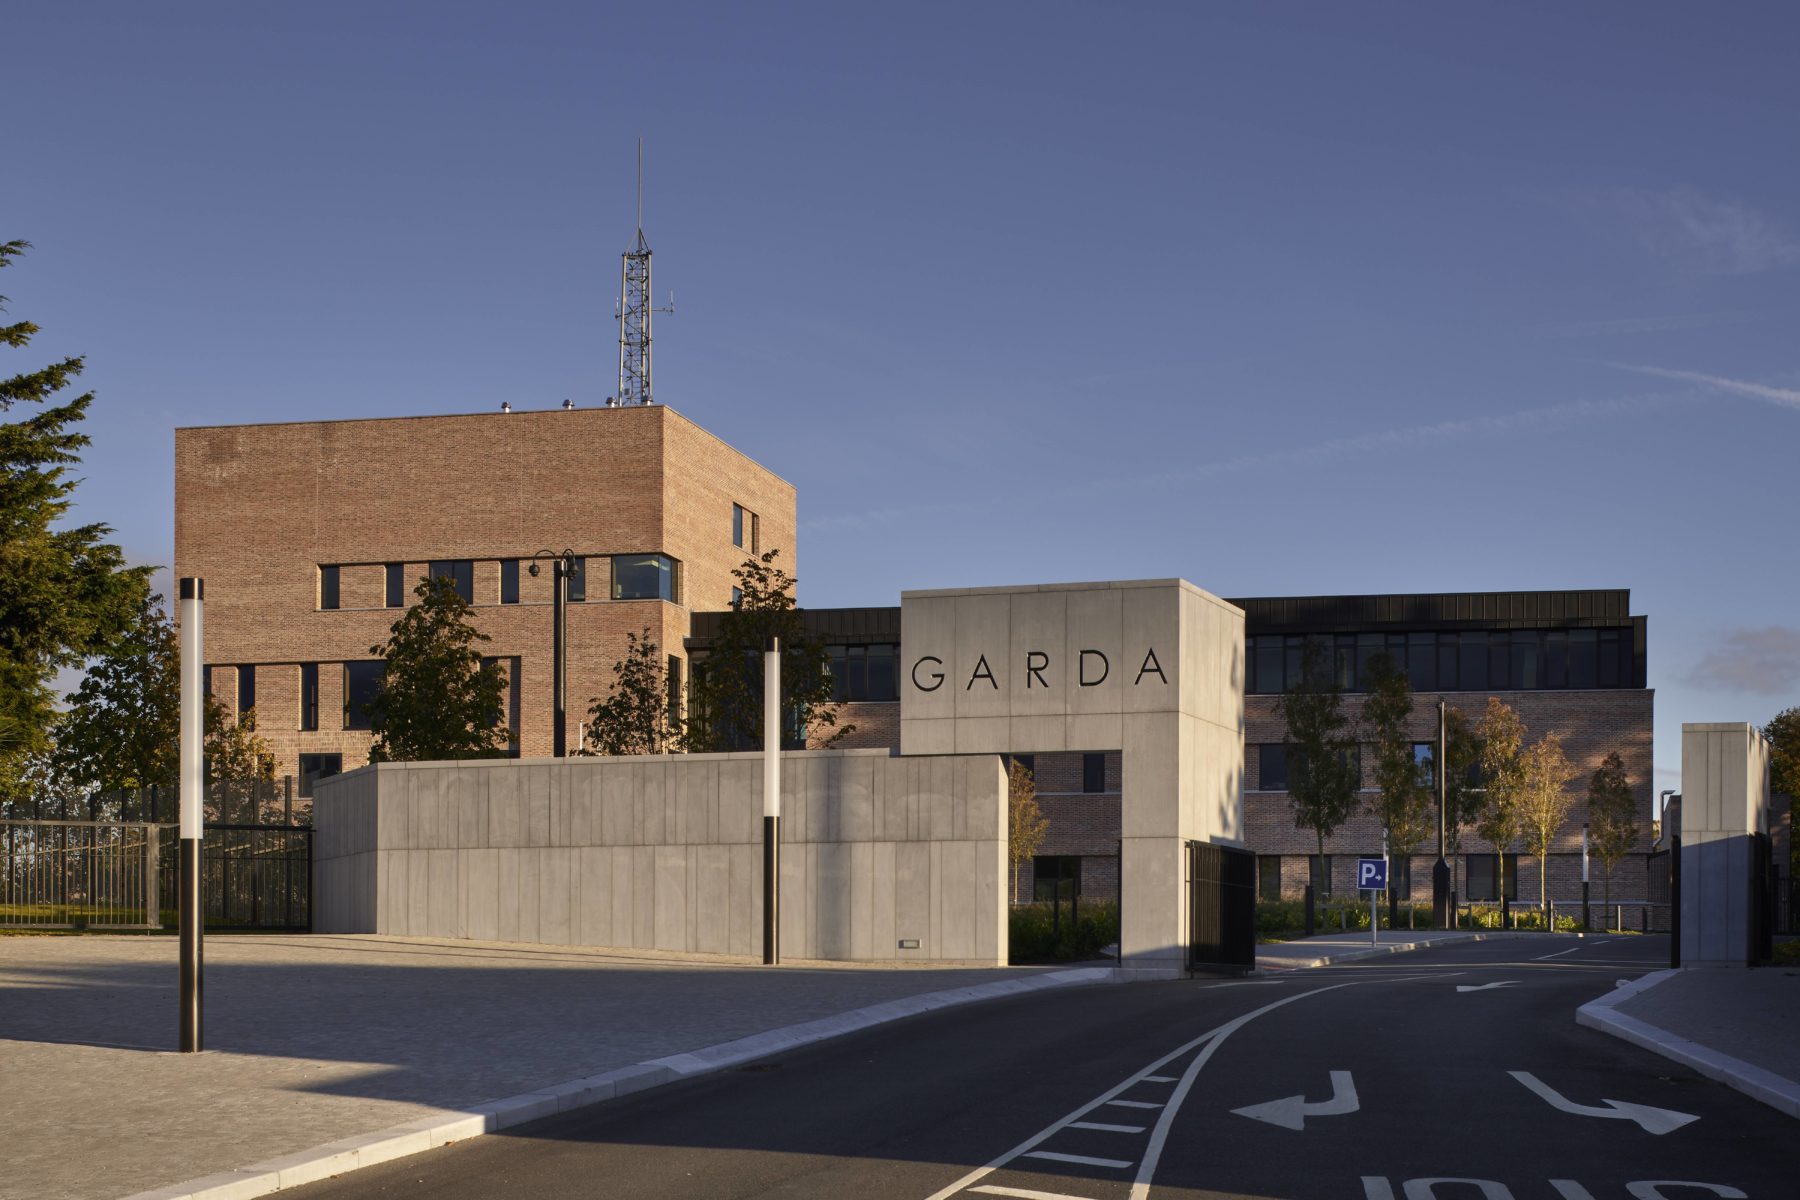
[{"x": 1544, "y": 888}]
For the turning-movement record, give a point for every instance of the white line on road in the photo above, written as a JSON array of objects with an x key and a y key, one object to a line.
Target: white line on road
[
  {"x": 993, "y": 1189},
  {"x": 1134, "y": 1104},
  {"x": 1117, "y": 1164},
  {"x": 1573, "y": 949},
  {"x": 1106, "y": 1128},
  {"x": 1159, "y": 1079},
  {"x": 1653, "y": 1120}
]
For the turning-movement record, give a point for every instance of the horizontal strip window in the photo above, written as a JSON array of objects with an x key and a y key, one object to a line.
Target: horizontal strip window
[
  {"x": 864, "y": 672},
  {"x": 1466, "y": 661}
]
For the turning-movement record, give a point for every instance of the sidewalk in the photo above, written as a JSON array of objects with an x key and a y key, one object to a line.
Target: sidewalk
[
  {"x": 1737, "y": 1026},
  {"x": 1329, "y": 948},
  {"x": 338, "y": 1051}
]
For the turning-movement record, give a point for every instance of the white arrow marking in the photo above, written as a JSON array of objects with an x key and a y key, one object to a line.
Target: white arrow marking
[
  {"x": 1484, "y": 987},
  {"x": 1654, "y": 1120},
  {"x": 1291, "y": 1112}
]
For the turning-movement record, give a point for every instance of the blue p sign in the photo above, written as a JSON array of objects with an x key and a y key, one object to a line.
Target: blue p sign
[{"x": 1371, "y": 874}]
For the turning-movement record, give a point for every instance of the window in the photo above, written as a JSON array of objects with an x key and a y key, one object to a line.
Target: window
[
  {"x": 395, "y": 584},
  {"x": 1467, "y": 661},
  {"x": 1400, "y": 877},
  {"x": 1424, "y": 763},
  {"x": 314, "y": 767},
  {"x": 737, "y": 597},
  {"x": 246, "y": 689},
  {"x": 1055, "y": 876},
  {"x": 864, "y": 672},
  {"x": 737, "y": 525},
  {"x": 1421, "y": 661},
  {"x": 328, "y": 587},
  {"x": 1584, "y": 657},
  {"x": 755, "y": 534},
  {"x": 1093, "y": 773},
  {"x": 1028, "y": 761},
  {"x": 645, "y": 577},
  {"x": 1268, "y": 877},
  {"x": 1319, "y": 872},
  {"x": 361, "y": 681},
  {"x": 577, "y": 579},
  {"x": 672, "y": 680},
  {"x": 1271, "y": 767},
  {"x": 461, "y": 574},
  {"x": 309, "y": 696},
  {"x": 1479, "y": 872},
  {"x": 509, "y": 581}
]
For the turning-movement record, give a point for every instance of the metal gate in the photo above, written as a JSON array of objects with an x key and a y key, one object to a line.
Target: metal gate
[
  {"x": 251, "y": 876},
  {"x": 1221, "y": 908}
]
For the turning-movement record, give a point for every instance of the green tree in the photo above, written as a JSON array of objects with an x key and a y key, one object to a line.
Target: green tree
[
  {"x": 1322, "y": 764},
  {"x": 1500, "y": 821},
  {"x": 1026, "y": 825},
  {"x": 1403, "y": 801},
  {"x": 1462, "y": 795},
  {"x": 1545, "y": 804},
  {"x": 635, "y": 718},
  {"x": 1784, "y": 771},
  {"x": 725, "y": 698},
  {"x": 437, "y": 699},
  {"x": 1612, "y": 819},
  {"x": 122, "y": 730},
  {"x": 64, "y": 592}
]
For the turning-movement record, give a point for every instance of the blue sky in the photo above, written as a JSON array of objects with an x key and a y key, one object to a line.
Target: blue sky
[{"x": 1282, "y": 299}]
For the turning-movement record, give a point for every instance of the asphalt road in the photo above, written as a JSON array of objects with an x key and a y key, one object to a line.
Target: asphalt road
[{"x": 1461, "y": 1065}]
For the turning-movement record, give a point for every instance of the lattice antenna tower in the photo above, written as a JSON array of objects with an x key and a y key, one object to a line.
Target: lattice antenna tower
[{"x": 636, "y": 308}]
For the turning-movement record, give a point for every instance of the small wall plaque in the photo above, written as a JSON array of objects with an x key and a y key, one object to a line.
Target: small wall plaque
[{"x": 909, "y": 943}]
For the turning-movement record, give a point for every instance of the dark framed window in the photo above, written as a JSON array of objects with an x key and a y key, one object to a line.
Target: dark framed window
[
  {"x": 1400, "y": 877},
  {"x": 314, "y": 767},
  {"x": 361, "y": 681},
  {"x": 1425, "y": 762},
  {"x": 1584, "y": 657},
  {"x": 672, "y": 681},
  {"x": 1479, "y": 872},
  {"x": 246, "y": 689},
  {"x": 1093, "y": 773},
  {"x": 1055, "y": 876},
  {"x": 737, "y": 525},
  {"x": 737, "y": 597},
  {"x": 1318, "y": 869},
  {"x": 577, "y": 580},
  {"x": 1271, "y": 767},
  {"x": 328, "y": 587},
  {"x": 864, "y": 672},
  {"x": 1612, "y": 669},
  {"x": 755, "y": 534},
  {"x": 309, "y": 696},
  {"x": 461, "y": 574},
  {"x": 1268, "y": 877},
  {"x": 394, "y": 584},
  {"x": 1421, "y": 661},
  {"x": 509, "y": 581},
  {"x": 644, "y": 577}
]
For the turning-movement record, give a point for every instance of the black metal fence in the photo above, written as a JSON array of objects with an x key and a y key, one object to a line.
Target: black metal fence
[
  {"x": 1221, "y": 908},
  {"x": 251, "y": 876}
]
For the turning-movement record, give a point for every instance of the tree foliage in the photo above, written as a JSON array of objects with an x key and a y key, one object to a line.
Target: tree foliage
[
  {"x": 1026, "y": 825},
  {"x": 634, "y": 718},
  {"x": 122, "y": 730},
  {"x": 1462, "y": 795},
  {"x": 1784, "y": 769},
  {"x": 1612, "y": 818},
  {"x": 1403, "y": 800},
  {"x": 1500, "y": 821},
  {"x": 437, "y": 699},
  {"x": 64, "y": 592},
  {"x": 1545, "y": 803},
  {"x": 235, "y": 753},
  {"x": 725, "y": 696},
  {"x": 1321, "y": 750}
]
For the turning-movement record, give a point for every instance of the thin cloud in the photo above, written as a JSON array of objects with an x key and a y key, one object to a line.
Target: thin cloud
[
  {"x": 1784, "y": 397},
  {"x": 1764, "y": 662},
  {"x": 1721, "y": 237}
]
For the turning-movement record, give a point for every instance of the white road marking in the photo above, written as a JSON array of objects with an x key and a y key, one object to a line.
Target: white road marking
[
  {"x": 1159, "y": 1079},
  {"x": 1568, "y": 1189},
  {"x": 1117, "y": 1164},
  {"x": 1102, "y": 1128},
  {"x": 1134, "y": 1104},
  {"x": 1290, "y": 1112},
  {"x": 1210, "y": 1040},
  {"x": 1572, "y": 949},
  {"x": 1654, "y": 1120},
  {"x": 992, "y": 1189},
  {"x": 1484, "y": 987}
]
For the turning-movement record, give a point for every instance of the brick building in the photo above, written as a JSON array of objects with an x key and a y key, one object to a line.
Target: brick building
[{"x": 311, "y": 537}]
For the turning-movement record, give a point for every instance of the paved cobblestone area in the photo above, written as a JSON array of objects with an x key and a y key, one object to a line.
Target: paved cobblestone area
[
  {"x": 314, "y": 1038},
  {"x": 1748, "y": 1014}
]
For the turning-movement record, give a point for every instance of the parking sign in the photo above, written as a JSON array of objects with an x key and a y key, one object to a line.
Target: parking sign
[{"x": 1371, "y": 874}]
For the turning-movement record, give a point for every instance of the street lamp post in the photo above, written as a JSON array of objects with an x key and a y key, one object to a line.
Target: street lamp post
[
  {"x": 1441, "y": 914},
  {"x": 562, "y": 566}
]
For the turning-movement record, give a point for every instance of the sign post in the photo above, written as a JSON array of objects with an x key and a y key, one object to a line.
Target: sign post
[
  {"x": 193, "y": 660},
  {"x": 772, "y": 803},
  {"x": 1372, "y": 876}
]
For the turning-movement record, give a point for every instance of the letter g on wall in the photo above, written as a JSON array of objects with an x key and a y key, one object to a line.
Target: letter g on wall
[{"x": 937, "y": 677}]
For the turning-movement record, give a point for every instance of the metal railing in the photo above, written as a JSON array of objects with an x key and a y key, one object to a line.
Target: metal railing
[{"x": 79, "y": 874}]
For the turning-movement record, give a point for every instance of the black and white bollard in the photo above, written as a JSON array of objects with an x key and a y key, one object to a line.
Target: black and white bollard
[
  {"x": 772, "y": 803},
  {"x": 193, "y": 698}
]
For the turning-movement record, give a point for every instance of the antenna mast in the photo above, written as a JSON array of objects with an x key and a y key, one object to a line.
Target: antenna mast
[{"x": 635, "y": 308}]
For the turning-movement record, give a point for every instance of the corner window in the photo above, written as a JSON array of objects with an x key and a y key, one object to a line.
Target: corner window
[
  {"x": 328, "y": 587},
  {"x": 461, "y": 574},
  {"x": 1271, "y": 767},
  {"x": 644, "y": 577},
  {"x": 309, "y": 696},
  {"x": 737, "y": 525},
  {"x": 361, "y": 681},
  {"x": 314, "y": 767},
  {"x": 509, "y": 581},
  {"x": 1093, "y": 773}
]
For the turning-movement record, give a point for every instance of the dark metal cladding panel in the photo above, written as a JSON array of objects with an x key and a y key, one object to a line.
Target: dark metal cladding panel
[
  {"x": 1450, "y": 610},
  {"x": 846, "y": 625}
]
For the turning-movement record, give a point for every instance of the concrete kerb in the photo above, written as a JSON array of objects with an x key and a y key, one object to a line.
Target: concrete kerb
[
  {"x": 1753, "y": 1081},
  {"x": 1276, "y": 965},
  {"x": 426, "y": 1133}
]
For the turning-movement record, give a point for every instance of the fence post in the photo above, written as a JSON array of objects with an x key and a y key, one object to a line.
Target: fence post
[{"x": 152, "y": 901}]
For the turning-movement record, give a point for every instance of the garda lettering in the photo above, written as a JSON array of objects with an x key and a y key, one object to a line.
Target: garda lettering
[{"x": 1092, "y": 670}]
